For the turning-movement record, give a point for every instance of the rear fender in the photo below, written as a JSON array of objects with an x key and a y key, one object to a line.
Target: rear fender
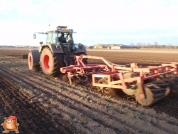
[
  {"x": 80, "y": 48},
  {"x": 52, "y": 48},
  {"x": 35, "y": 56}
]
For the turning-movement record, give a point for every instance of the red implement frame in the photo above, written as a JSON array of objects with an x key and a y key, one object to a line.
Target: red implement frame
[{"x": 112, "y": 71}]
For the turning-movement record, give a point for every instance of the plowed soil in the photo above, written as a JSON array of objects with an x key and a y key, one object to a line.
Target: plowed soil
[{"x": 46, "y": 105}]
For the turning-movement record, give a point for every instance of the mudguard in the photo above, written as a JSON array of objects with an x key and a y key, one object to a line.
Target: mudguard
[
  {"x": 52, "y": 48},
  {"x": 80, "y": 48},
  {"x": 35, "y": 56}
]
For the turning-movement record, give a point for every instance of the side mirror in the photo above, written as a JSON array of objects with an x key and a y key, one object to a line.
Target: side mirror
[
  {"x": 41, "y": 42},
  {"x": 34, "y": 36}
]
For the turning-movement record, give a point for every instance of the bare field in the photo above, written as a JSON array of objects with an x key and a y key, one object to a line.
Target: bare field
[
  {"x": 119, "y": 56},
  {"x": 137, "y": 50},
  {"x": 49, "y": 105}
]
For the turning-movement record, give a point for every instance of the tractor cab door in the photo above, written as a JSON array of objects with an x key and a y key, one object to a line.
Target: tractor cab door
[
  {"x": 52, "y": 42},
  {"x": 52, "y": 38},
  {"x": 49, "y": 38}
]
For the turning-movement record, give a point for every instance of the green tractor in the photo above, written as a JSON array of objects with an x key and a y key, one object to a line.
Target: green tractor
[{"x": 58, "y": 51}]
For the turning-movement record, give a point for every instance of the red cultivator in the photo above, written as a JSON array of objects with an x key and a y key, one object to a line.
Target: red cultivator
[{"x": 147, "y": 83}]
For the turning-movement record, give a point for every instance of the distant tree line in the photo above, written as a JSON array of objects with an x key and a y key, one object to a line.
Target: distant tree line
[{"x": 155, "y": 45}]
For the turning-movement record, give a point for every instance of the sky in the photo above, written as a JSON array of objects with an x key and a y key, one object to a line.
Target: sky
[{"x": 95, "y": 21}]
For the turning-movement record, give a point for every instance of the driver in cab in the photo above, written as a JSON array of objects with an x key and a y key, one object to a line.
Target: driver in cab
[{"x": 62, "y": 39}]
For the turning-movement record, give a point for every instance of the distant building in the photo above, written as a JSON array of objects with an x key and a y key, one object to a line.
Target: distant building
[
  {"x": 124, "y": 47},
  {"x": 115, "y": 46},
  {"x": 98, "y": 46}
]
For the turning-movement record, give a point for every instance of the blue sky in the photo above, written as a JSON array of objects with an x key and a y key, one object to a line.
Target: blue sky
[{"x": 95, "y": 21}]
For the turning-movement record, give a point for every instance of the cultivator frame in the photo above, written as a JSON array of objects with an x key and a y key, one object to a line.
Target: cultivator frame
[{"x": 125, "y": 77}]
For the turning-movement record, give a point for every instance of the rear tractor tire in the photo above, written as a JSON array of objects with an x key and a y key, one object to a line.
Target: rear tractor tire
[
  {"x": 33, "y": 60},
  {"x": 51, "y": 62}
]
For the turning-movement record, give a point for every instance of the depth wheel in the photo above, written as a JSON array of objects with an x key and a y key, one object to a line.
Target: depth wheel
[
  {"x": 145, "y": 101},
  {"x": 153, "y": 92}
]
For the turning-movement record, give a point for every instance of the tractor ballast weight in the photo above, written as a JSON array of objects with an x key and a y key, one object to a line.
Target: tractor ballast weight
[{"x": 55, "y": 53}]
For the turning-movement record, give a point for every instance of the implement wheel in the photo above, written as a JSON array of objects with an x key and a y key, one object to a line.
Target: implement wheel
[
  {"x": 153, "y": 92},
  {"x": 144, "y": 101}
]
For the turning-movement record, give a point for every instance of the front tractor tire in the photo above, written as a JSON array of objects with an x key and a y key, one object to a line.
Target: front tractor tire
[
  {"x": 51, "y": 62},
  {"x": 32, "y": 58}
]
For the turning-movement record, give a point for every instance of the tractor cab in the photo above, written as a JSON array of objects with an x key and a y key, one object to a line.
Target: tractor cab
[
  {"x": 60, "y": 40},
  {"x": 59, "y": 50},
  {"x": 58, "y": 36}
]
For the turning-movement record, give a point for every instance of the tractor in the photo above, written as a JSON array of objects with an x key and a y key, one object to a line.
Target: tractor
[{"x": 58, "y": 51}]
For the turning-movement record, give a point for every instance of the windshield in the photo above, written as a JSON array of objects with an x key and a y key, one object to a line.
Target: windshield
[
  {"x": 67, "y": 36},
  {"x": 53, "y": 37}
]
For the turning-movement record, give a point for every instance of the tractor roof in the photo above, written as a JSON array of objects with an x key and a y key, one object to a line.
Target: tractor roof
[{"x": 60, "y": 29}]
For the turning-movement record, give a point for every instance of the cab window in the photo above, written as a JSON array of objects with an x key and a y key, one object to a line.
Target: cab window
[
  {"x": 55, "y": 37},
  {"x": 49, "y": 37}
]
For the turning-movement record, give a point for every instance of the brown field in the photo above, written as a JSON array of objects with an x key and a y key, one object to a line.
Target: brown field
[{"x": 49, "y": 105}]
